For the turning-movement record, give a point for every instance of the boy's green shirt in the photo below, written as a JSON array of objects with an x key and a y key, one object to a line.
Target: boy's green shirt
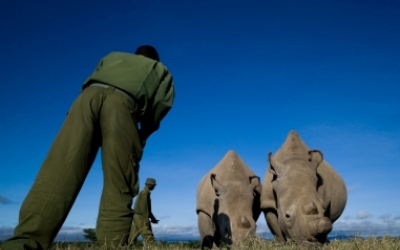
[{"x": 147, "y": 81}]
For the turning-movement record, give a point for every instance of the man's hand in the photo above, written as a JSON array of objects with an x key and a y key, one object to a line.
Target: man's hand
[{"x": 154, "y": 221}]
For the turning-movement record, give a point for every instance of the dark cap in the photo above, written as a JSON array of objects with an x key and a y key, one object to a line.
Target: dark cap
[{"x": 151, "y": 181}]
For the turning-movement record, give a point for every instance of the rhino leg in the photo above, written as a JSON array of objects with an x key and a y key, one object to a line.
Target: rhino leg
[
  {"x": 273, "y": 225},
  {"x": 206, "y": 229}
]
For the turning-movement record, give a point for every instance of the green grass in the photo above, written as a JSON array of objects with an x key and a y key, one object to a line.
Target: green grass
[{"x": 356, "y": 243}]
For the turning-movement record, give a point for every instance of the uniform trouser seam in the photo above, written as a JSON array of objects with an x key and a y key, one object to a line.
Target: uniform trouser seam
[{"x": 120, "y": 134}]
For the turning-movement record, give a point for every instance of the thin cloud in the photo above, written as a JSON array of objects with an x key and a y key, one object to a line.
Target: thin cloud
[
  {"x": 5, "y": 201},
  {"x": 70, "y": 233},
  {"x": 6, "y": 232},
  {"x": 263, "y": 231},
  {"x": 172, "y": 229},
  {"x": 188, "y": 232},
  {"x": 353, "y": 187},
  {"x": 365, "y": 228},
  {"x": 397, "y": 217},
  {"x": 384, "y": 217},
  {"x": 363, "y": 215}
]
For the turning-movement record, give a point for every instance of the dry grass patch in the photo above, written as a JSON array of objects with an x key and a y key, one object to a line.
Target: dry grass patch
[{"x": 356, "y": 243}]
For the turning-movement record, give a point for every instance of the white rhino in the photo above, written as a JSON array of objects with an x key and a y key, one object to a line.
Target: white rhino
[
  {"x": 228, "y": 202},
  {"x": 302, "y": 195}
]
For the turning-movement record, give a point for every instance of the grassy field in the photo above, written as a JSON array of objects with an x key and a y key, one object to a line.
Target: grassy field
[{"x": 387, "y": 243}]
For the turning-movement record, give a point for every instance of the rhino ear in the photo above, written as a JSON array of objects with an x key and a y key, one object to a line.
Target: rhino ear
[
  {"x": 218, "y": 187},
  {"x": 272, "y": 165},
  {"x": 316, "y": 157},
  {"x": 272, "y": 170},
  {"x": 255, "y": 183}
]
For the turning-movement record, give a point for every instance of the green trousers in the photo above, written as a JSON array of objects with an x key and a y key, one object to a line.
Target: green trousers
[
  {"x": 99, "y": 117},
  {"x": 141, "y": 226}
]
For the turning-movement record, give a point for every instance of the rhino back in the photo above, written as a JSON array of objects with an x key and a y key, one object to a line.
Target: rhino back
[
  {"x": 232, "y": 168},
  {"x": 332, "y": 190}
]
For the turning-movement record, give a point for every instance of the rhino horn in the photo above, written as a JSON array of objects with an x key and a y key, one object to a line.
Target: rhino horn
[
  {"x": 244, "y": 223},
  {"x": 310, "y": 208},
  {"x": 324, "y": 225}
]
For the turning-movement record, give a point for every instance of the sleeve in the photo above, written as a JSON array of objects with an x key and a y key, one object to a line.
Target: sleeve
[
  {"x": 151, "y": 216},
  {"x": 142, "y": 206},
  {"x": 159, "y": 108}
]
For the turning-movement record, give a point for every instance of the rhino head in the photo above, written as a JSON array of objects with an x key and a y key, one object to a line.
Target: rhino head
[
  {"x": 295, "y": 183},
  {"x": 233, "y": 208}
]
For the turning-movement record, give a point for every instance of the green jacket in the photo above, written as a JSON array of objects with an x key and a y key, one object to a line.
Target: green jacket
[
  {"x": 143, "y": 204},
  {"x": 147, "y": 81}
]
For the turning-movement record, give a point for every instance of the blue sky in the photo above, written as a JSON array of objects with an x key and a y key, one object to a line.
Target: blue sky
[{"x": 246, "y": 73}]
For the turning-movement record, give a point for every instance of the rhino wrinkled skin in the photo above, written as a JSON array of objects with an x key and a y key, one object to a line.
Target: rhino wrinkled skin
[
  {"x": 228, "y": 202},
  {"x": 302, "y": 195}
]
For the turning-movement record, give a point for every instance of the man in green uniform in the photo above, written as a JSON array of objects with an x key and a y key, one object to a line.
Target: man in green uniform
[
  {"x": 121, "y": 104},
  {"x": 142, "y": 209}
]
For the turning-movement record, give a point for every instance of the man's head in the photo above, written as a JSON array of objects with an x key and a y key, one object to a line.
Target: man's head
[
  {"x": 148, "y": 51},
  {"x": 150, "y": 183}
]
